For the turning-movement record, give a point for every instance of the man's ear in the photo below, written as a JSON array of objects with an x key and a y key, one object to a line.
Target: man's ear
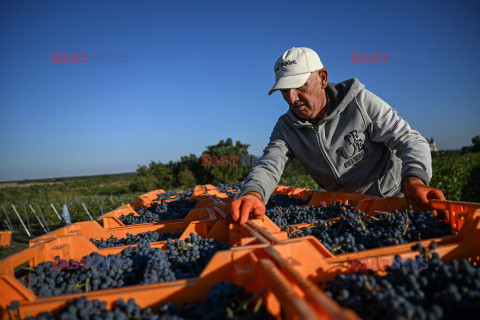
[{"x": 323, "y": 74}]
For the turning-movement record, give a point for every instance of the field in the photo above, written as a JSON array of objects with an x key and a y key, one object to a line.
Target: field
[
  {"x": 458, "y": 175},
  {"x": 98, "y": 194}
]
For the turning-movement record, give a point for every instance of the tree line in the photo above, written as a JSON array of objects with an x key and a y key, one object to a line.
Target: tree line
[{"x": 193, "y": 170}]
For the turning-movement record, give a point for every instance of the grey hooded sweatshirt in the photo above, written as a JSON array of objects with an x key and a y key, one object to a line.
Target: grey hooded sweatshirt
[{"x": 360, "y": 146}]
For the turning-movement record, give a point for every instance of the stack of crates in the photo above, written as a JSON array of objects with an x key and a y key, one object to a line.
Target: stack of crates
[{"x": 285, "y": 271}]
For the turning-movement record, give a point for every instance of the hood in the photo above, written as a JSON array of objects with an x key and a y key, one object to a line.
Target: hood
[{"x": 339, "y": 96}]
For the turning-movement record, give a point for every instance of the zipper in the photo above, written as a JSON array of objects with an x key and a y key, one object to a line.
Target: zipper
[{"x": 327, "y": 159}]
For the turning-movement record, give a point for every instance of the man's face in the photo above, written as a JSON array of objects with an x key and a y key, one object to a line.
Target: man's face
[{"x": 309, "y": 100}]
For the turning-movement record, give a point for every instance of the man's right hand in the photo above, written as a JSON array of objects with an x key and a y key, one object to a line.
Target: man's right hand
[{"x": 251, "y": 204}]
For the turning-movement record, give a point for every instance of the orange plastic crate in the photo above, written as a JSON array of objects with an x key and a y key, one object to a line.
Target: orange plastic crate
[
  {"x": 245, "y": 267},
  {"x": 204, "y": 190},
  {"x": 111, "y": 220},
  {"x": 137, "y": 203},
  {"x": 215, "y": 200},
  {"x": 309, "y": 264},
  {"x": 5, "y": 238},
  {"x": 92, "y": 229},
  {"x": 78, "y": 245},
  {"x": 143, "y": 200},
  {"x": 204, "y": 200},
  {"x": 298, "y": 193},
  {"x": 456, "y": 213},
  {"x": 125, "y": 209},
  {"x": 152, "y": 195},
  {"x": 310, "y": 258},
  {"x": 352, "y": 199}
]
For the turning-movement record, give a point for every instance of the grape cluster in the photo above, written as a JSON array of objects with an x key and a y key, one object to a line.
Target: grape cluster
[
  {"x": 82, "y": 308},
  {"x": 144, "y": 237},
  {"x": 224, "y": 301},
  {"x": 284, "y": 201},
  {"x": 140, "y": 265},
  {"x": 440, "y": 291},
  {"x": 309, "y": 214},
  {"x": 175, "y": 194},
  {"x": 235, "y": 187},
  {"x": 161, "y": 211},
  {"x": 189, "y": 257},
  {"x": 354, "y": 231}
]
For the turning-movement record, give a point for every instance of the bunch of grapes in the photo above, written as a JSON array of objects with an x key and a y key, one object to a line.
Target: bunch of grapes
[
  {"x": 160, "y": 211},
  {"x": 224, "y": 301},
  {"x": 440, "y": 291},
  {"x": 235, "y": 187},
  {"x": 140, "y": 265},
  {"x": 310, "y": 214},
  {"x": 353, "y": 231},
  {"x": 82, "y": 308},
  {"x": 144, "y": 237},
  {"x": 187, "y": 194},
  {"x": 188, "y": 257},
  {"x": 284, "y": 201}
]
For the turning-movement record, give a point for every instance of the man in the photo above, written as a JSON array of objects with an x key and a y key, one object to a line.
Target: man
[{"x": 347, "y": 138}]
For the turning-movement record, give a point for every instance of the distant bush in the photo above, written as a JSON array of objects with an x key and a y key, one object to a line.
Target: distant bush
[
  {"x": 301, "y": 181},
  {"x": 186, "y": 178},
  {"x": 458, "y": 176},
  {"x": 473, "y": 148},
  {"x": 190, "y": 170}
]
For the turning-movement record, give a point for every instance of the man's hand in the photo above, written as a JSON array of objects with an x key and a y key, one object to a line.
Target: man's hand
[
  {"x": 416, "y": 190},
  {"x": 250, "y": 204}
]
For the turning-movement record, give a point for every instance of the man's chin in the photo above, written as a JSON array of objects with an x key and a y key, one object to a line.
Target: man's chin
[{"x": 302, "y": 115}]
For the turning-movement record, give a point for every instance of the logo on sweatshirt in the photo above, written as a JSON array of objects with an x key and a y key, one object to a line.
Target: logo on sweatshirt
[{"x": 355, "y": 150}]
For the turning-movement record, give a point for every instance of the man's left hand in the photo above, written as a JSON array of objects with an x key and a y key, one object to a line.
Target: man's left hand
[{"x": 416, "y": 190}]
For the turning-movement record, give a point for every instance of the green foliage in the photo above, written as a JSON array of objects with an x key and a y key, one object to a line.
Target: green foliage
[
  {"x": 186, "y": 178},
  {"x": 143, "y": 182},
  {"x": 59, "y": 188},
  {"x": 475, "y": 147},
  {"x": 157, "y": 175},
  {"x": 163, "y": 174},
  {"x": 471, "y": 191},
  {"x": 190, "y": 163},
  {"x": 301, "y": 181},
  {"x": 98, "y": 193},
  {"x": 457, "y": 175},
  {"x": 229, "y": 162},
  {"x": 294, "y": 169},
  {"x": 476, "y": 144},
  {"x": 295, "y": 175}
]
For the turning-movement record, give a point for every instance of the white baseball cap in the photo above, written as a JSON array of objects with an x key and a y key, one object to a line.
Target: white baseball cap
[{"x": 294, "y": 67}]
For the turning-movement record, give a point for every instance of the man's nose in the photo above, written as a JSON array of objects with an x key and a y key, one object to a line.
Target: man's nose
[{"x": 292, "y": 96}]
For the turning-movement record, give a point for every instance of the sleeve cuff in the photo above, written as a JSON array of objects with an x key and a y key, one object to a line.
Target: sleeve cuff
[
  {"x": 417, "y": 173},
  {"x": 253, "y": 189}
]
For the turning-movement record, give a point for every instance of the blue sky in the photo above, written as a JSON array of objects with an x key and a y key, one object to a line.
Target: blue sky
[{"x": 199, "y": 71}]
